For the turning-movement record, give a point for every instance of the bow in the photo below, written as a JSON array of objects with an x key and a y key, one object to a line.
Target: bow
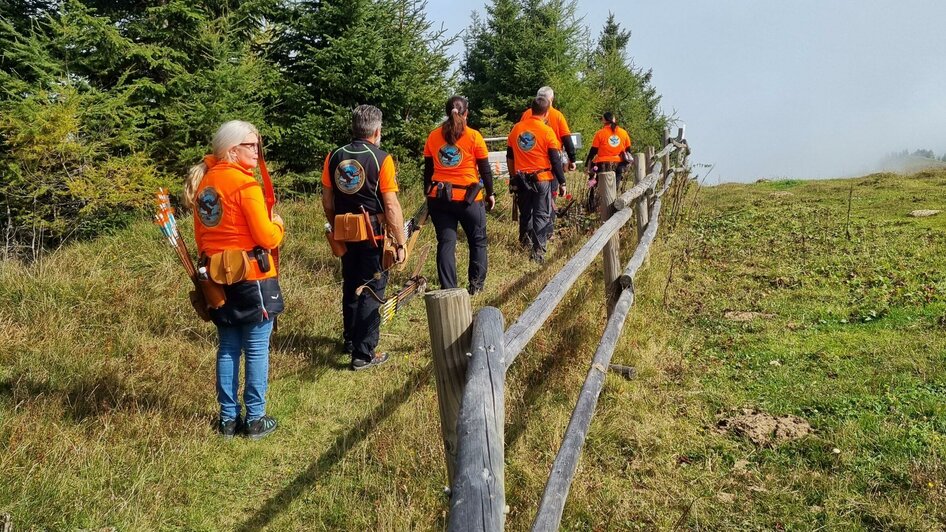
[
  {"x": 415, "y": 285},
  {"x": 269, "y": 194}
]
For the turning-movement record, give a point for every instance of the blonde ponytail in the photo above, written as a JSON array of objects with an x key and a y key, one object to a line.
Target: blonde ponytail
[{"x": 194, "y": 176}]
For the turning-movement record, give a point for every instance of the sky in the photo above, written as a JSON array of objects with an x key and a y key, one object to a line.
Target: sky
[{"x": 783, "y": 88}]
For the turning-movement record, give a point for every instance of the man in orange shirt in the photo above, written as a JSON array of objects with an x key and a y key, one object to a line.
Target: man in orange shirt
[
  {"x": 556, "y": 121},
  {"x": 360, "y": 177},
  {"x": 533, "y": 161}
]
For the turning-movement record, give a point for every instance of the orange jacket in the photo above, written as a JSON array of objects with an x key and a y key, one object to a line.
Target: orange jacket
[
  {"x": 456, "y": 163},
  {"x": 230, "y": 213},
  {"x": 610, "y": 144},
  {"x": 530, "y": 141}
]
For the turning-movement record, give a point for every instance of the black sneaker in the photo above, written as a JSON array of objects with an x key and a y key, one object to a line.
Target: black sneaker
[
  {"x": 260, "y": 428},
  {"x": 348, "y": 347},
  {"x": 358, "y": 364},
  {"x": 228, "y": 428},
  {"x": 537, "y": 257}
]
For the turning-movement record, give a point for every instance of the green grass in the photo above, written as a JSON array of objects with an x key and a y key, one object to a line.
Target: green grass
[{"x": 106, "y": 380}]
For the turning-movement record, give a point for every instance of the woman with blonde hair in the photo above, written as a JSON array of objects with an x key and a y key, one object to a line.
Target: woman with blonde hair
[{"x": 230, "y": 216}]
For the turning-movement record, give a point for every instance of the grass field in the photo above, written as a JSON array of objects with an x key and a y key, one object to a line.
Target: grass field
[{"x": 106, "y": 381}]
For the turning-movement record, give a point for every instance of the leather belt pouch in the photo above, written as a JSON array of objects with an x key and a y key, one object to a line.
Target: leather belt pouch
[
  {"x": 228, "y": 267},
  {"x": 350, "y": 228}
]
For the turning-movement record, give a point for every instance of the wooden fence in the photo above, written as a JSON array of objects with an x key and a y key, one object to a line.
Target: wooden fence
[{"x": 471, "y": 355}]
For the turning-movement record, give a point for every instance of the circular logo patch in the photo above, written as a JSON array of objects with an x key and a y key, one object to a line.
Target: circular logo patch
[
  {"x": 614, "y": 141},
  {"x": 209, "y": 207},
  {"x": 526, "y": 141},
  {"x": 350, "y": 176},
  {"x": 450, "y": 156}
]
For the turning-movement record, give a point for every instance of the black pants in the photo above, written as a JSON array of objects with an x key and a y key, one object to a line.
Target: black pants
[
  {"x": 360, "y": 265},
  {"x": 535, "y": 216},
  {"x": 472, "y": 218}
]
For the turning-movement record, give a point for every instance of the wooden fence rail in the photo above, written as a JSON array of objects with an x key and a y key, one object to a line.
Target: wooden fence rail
[
  {"x": 471, "y": 357},
  {"x": 549, "y": 516}
]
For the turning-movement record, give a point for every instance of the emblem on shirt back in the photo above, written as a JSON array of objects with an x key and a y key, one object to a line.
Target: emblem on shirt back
[
  {"x": 349, "y": 176},
  {"x": 209, "y": 207},
  {"x": 450, "y": 156},
  {"x": 526, "y": 141},
  {"x": 614, "y": 141}
]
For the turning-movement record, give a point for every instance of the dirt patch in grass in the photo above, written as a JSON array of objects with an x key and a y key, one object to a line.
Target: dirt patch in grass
[{"x": 764, "y": 429}]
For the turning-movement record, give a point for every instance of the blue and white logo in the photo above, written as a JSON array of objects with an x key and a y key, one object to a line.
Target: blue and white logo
[
  {"x": 614, "y": 141},
  {"x": 526, "y": 141},
  {"x": 349, "y": 176},
  {"x": 450, "y": 156},
  {"x": 209, "y": 207}
]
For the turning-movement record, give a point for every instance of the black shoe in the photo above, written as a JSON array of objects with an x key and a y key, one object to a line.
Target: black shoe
[
  {"x": 537, "y": 258},
  {"x": 229, "y": 428},
  {"x": 358, "y": 364},
  {"x": 348, "y": 347},
  {"x": 260, "y": 428}
]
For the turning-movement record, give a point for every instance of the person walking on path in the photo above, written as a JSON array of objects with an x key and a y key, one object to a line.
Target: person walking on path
[
  {"x": 556, "y": 120},
  {"x": 610, "y": 149},
  {"x": 231, "y": 221},
  {"x": 358, "y": 180},
  {"x": 533, "y": 161},
  {"x": 453, "y": 156}
]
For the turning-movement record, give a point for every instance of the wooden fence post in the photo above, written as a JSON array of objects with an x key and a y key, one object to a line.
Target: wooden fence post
[
  {"x": 607, "y": 192},
  {"x": 666, "y": 159},
  {"x": 449, "y": 316},
  {"x": 640, "y": 205},
  {"x": 478, "y": 500}
]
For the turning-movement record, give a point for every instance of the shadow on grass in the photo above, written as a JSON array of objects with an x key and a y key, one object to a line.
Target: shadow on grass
[
  {"x": 337, "y": 451},
  {"x": 93, "y": 396},
  {"x": 572, "y": 333},
  {"x": 566, "y": 248},
  {"x": 320, "y": 351}
]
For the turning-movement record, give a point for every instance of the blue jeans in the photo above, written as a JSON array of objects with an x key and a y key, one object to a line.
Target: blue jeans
[{"x": 253, "y": 340}]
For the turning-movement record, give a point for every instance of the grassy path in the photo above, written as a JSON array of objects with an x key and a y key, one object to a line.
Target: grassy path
[{"x": 106, "y": 382}]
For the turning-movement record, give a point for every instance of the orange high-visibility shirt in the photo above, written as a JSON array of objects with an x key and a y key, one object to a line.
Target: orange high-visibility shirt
[
  {"x": 530, "y": 140},
  {"x": 456, "y": 163},
  {"x": 555, "y": 120},
  {"x": 230, "y": 213},
  {"x": 610, "y": 144}
]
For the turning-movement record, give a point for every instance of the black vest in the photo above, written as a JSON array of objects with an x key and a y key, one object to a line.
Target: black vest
[{"x": 355, "y": 171}]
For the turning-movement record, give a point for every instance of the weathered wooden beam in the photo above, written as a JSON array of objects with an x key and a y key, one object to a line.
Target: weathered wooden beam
[
  {"x": 449, "y": 316},
  {"x": 607, "y": 193},
  {"x": 478, "y": 496},
  {"x": 640, "y": 206},
  {"x": 626, "y": 199},
  {"x": 552, "y": 505}
]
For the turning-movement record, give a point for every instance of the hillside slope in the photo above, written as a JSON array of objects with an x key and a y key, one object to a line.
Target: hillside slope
[{"x": 106, "y": 381}]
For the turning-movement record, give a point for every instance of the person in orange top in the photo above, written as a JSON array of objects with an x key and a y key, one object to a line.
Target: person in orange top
[
  {"x": 359, "y": 178},
  {"x": 230, "y": 214},
  {"x": 453, "y": 155},
  {"x": 556, "y": 121},
  {"x": 533, "y": 161},
  {"x": 610, "y": 149}
]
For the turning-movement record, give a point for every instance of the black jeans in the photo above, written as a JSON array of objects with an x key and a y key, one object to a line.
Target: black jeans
[
  {"x": 472, "y": 218},
  {"x": 535, "y": 216},
  {"x": 360, "y": 315}
]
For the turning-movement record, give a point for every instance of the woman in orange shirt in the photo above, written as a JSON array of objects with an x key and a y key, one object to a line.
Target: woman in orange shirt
[
  {"x": 459, "y": 186},
  {"x": 610, "y": 149},
  {"x": 230, "y": 214}
]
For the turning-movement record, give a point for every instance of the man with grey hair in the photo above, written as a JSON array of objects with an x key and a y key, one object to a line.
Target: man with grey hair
[
  {"x": 359, "y": 178},
  {"x": 556, "y": 121}
]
